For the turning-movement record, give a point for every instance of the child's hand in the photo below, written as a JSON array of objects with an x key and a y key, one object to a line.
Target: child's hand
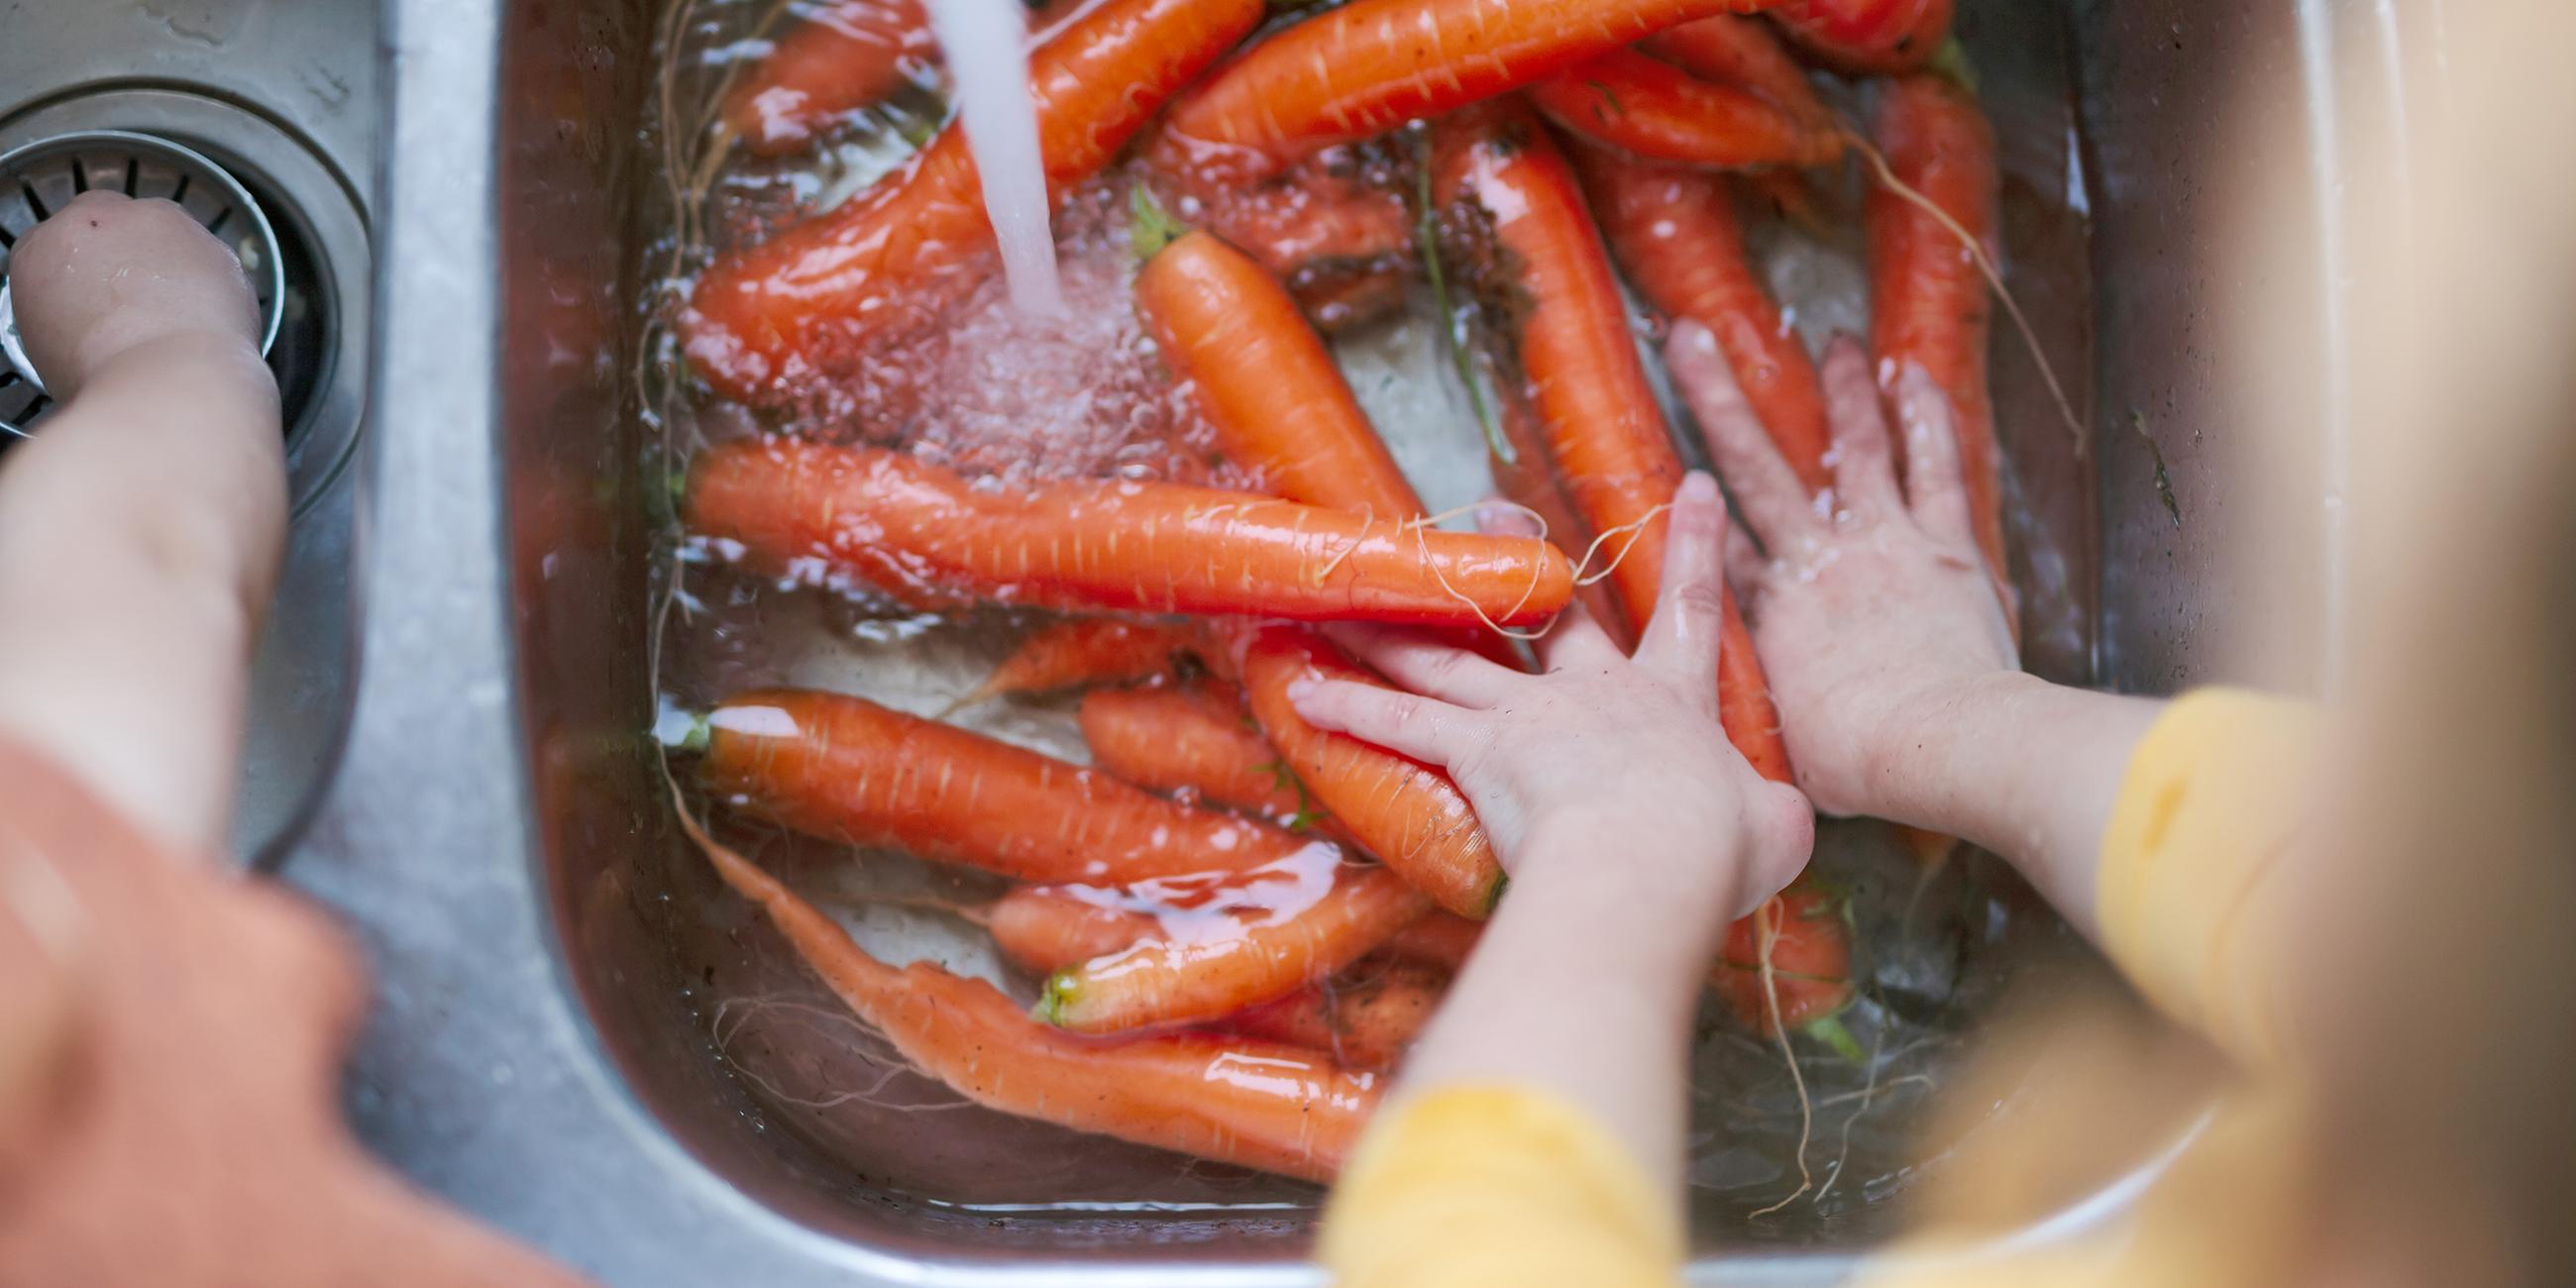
[
  {"x": 108, "y": 274},
  {"x": 1873, "y": 610},
  {"x": 1612, "y": 763}
]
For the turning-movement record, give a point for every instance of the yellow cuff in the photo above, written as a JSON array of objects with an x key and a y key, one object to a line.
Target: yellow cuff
[
  {"x": 2190, "y": 902},
  {"x": 1497, "y": 1187}
]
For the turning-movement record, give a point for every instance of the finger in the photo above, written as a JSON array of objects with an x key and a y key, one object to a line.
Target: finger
[
  {"x": 1680, "y": 643},
  {"x": 1933, "y": 484},
  {"x": 1775, "y": 505},
  {"x": 1864, "y": 469},
  {"x": 1425, "y": 664},
  {"x": 1498, "y": 517},
  {"x": 1426, "y": 729},
  {"x": 1780, "y": 836},
  {"x": 1576, "y": 641}
]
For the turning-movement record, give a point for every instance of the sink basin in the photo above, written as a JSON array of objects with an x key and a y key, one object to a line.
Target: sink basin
[{"x": 500, "y": 835}]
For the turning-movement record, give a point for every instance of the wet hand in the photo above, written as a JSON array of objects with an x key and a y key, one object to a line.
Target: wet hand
[
  {"x": 1870, "y": 605},
  {"x": 108, "y": 274},
  {"x": 1610, "y": 763}
]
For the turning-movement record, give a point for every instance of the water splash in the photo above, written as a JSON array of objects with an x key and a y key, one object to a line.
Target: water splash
[{"x": 986, "y": 43}]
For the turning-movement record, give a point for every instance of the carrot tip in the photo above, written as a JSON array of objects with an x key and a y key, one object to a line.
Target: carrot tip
[
  {"x": 1494, "y": 898},
  {"x": 1830, "y": 1031},
  {"x": 686, "y": 732},
  {"x": 1150, "y": 228}
]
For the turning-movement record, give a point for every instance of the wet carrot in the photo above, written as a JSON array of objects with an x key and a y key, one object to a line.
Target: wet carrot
[
  {"x": 1810, "y": 954},
  {"x": 1558, "y": 307},
  {"x": 1743, "y": 52},
  {"x": 1362, "y": 69},
  {"x": 1191, "y": 739},
  {"x": 1366, "y": 1020},
  {"x": 1236, "y": 960},
  {"x": 1044, "y": 929},
  {"x": 1529, "y": 480},
  {"x": 1928, "y": 300},
  {"x": 1410, "y": 815},
  {"x": 1081, "y": 651},
  {"x": 847, "y": 56},
  {"x": 893, "y": 259},
  {"x": 1649, "y": 108},
  {"x": 1269, "y": 387},
  {"x": 848, "y": 770},
  {"x": 1341, "y": 243},
  {"x": 1110, "y": 546},
  {"x": 1866, "y": 37},
  {"x": 1263, "y": 1105},
  {"x": 1439, "y": 939},
  {"x": 1675, "y": 233}
]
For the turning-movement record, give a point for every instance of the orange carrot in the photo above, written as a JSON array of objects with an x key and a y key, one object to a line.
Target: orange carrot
[
  {"x": 1529, "y": 480},
  {"x": 1866, "y": 37},
  {"x": 1272, "y": 391},
  {"x": 850, "y": 55},
  {"x": 1043, "y": 929},
  {"x": 1240, "y": 959},
  {"x": 1174, "y": 739},
  {"x": 1810, "y": 954},
  {"x": 894, "y": 258},
  {"x": 1339, "y": 242},
  {"x": 1928, "y": 300},
  {"x": 1366, "y": 1021},
  {"x": 1277, "y": 1108},
  {"x": 1675, "y": 232},
  {"x": 1649, "y": 108},
  {"x": 846, "y": 769},
  {"x": 1362, "y": 69},
  {"x": 1115, "y": 546},
  {"x": 1439, "y": 939},
  {"x": 1080, "y": 651},
  {"x": 1498, "y": 176},
  {"x": 1743, "y": 52},
  {"x": 1410, "y": 815}
]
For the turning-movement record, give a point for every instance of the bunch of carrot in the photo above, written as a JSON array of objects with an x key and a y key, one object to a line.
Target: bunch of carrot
[{"x": 1223, "y": 881}]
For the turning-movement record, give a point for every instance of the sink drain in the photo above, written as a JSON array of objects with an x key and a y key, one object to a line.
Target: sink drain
[
  {"x": 315, "y": 267},
  {"x": 40, "y": 178}
]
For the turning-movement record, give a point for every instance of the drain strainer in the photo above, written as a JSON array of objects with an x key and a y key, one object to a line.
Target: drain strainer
[{"x": 43, "y": 177}]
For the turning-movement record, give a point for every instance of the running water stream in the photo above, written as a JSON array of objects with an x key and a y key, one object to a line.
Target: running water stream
[{"x": 986, "y": 43}]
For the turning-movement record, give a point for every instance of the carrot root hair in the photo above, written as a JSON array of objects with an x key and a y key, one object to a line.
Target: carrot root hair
[{"x": 1430, "y": 521}]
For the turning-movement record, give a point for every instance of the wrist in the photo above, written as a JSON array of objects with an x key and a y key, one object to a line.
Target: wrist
[
  {"x": 1652, "y": 915},
  {"x": 1925, "y": 743}
]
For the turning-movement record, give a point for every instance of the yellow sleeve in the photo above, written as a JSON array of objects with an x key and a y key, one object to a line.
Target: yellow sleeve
[
  {"x": 2192, "y": 900},
  {"x": 1497, "y": 1187}
]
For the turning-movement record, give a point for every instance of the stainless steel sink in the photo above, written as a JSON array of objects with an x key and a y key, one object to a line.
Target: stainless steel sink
[{"x": 497, "y": 833}]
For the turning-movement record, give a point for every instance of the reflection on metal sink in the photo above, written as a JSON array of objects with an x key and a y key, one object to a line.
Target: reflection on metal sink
[{"x": 501, "y": 836}]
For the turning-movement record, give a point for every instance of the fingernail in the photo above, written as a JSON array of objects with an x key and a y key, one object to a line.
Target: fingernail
[
  {"x": 1698, "y": 487},
  {"x": 1300, "y": 690}
]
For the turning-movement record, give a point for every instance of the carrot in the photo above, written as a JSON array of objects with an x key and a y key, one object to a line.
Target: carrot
[
  {"x": 1115, "y": 546},
  {"x": 1271, "y": 390},
  {"x": 893, "y": 259},
  {"x": 1675, "y": 233},
  {"x": 1273, "y": 1107},
  {"x": 1081, "y": 651},
  {"x": 1043, "y": 929},
  {"x": 1809, "y": 949},
  {"x": 1528, "y": 480},
  {"x": 1559, "y": 309},
  {"x": 1410, "y": 815},
  {"x": 1743, "y": 52},
  {"x": 850, "y": 55},
  {"x": 848, "y": 770},
  {"x": 1929, "y": 303},
  {"x": 1193, "y": 739},
  {"x": 1365, "y": 1022},
  {"x": 1649, "y": 108},
  {"x": 1362, "y": 69},
  {"x": 1439, "y": 939},
  {"x": 1340, "y": 242},
  {"x": 1239, "y": 959},
  {"x": 1866, "y": 37}
]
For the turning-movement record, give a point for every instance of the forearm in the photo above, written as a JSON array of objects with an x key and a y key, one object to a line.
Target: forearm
[
  {"x": 1582, "y": 987},
  {"x": 2025, "y": 768},
  {"x": 139, "y": 537}
]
